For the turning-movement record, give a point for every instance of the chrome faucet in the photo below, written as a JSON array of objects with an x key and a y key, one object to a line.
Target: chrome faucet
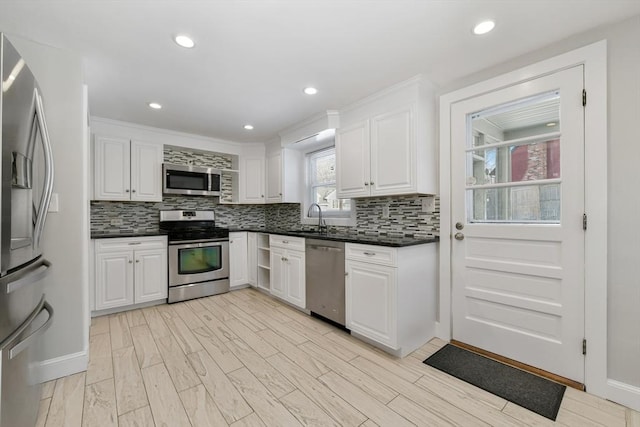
[{"x": 322, "y": 225}]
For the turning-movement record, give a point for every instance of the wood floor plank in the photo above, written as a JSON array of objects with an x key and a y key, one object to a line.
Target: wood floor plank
[
  {"x": 307, "y": 412},
  {"x": 419, "y": 415},
  {"x": 130, "y": 391},
  {"x": 164, "y": 401},
  {"x": 231, "y": 404},
  {"x": 632, "y": 417},
  {"x": 100, "y": 365},
  {"x": 47, "y": 389},
  {"x": 568, "y": 418},
  {"x": 100, "y": 405},
  {"x": 177, "y": 364},
  {"x": 613, "y": 409},
  {"x": 139, "y": 418},
  {"x": 273, "y": 380},
  {"x": 180, "y": 330},
  {"x": 309, "y": 322},
  {"x": 99, "y": 325},
  {"x": 431, "y": 402},
  {"x": 146, "y": 349},
  {"x": 526, "y": 416},
  {"x": 366, "y": 382},
  {"x": 313, "y": 366},
  {"x": 319, "y": 339},
  {"x": 120, "y": 335},
  {"x": 195, "y": 305},
  {"x": 187, "y": 315},
  {"x": 43, "y": 411},
  {"x": 339, "y": 409},
  {"x": 201, "y": 408},
  {"x": 254, "y": 341},
  {"x": 280, "y": 328},
  {"x": 136, "y": 318},
  {"x": 251, "y": 420},
  {"x": 247, "y": 319},
  {"x": 369, "y": 423},
  {"x": 268, "y": 408},
  {"x": 217, "y": 326},
  {"x": 66, "y": 404},
  {"x": 588, "y": 410},
  {"x": 360, "y": 400},
  {"x": 218, "y": 350},
  {"x": 156, "y": 323}
]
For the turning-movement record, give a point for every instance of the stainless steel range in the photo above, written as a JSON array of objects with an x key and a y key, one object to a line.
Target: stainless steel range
[{"x": 198, "y": 254}]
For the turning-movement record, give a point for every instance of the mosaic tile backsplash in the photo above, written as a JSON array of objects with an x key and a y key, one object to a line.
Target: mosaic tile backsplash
[{"x": 405, "y": 215}]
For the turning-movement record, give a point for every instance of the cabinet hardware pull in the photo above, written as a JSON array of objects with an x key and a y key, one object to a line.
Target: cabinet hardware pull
[
  {"x": 126, "y": 191},
  {"x": 366, "y": 183},
  {"x": 130, "y": 262},
  {"x": 371, "y": 183},
  {"x": 133, "y": 191},
  {"x": 137, "y": 260},
  {"x": 135, "y": 243},
  {"x": 285, "y": 241},
  {"x": 370, "y": 253}
]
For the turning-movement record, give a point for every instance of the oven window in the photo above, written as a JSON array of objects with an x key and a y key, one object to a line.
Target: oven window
[
  {"x": 182, "y": 180},
  {"x": 199, "y": 260}
]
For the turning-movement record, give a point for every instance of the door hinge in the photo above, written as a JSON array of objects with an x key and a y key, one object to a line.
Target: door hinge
[
  {"x": 584, "y": 347},
  {"x": 584, "y": 221},
  {"x": 584, "y": 97}
]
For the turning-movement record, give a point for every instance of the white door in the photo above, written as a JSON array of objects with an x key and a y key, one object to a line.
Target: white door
[
  {"x": 146, "y": 171},
  {"x": 517, "y": 205},
  {"x": 392, "y": 153},
  {"x": 150, "y": 275},
  {"x": 114, "y": 279},
  {"x": 296, "y": 284},
  {"x": 111, "y": 168},
  {"x": 353, "y": 168}
]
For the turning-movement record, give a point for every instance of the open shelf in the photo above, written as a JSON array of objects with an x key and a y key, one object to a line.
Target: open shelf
[{"x": 266, "y": 267}]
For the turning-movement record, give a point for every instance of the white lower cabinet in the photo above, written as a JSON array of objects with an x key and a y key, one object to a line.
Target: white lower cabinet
[
  {"x": 287, "y": 263},
  {"x": 238, "y": 272},
  {"x": 391, "y": 295},
  {"x": 130, "y": 271}
]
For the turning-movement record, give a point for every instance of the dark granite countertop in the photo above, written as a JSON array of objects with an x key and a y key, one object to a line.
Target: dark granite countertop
[
  {"x": 126, "y": 233},
  {"x": 367, "y": 239}
]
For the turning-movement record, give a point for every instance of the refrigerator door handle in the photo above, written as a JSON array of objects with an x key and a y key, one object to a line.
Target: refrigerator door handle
[
  {"x": 48, "y": 170},
  {"x": 28, "y": 275},
  {"x": 17, "y": 349}
]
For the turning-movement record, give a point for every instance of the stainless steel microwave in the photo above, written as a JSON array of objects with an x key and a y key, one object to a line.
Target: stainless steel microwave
[{"x": 192, "y": 180}]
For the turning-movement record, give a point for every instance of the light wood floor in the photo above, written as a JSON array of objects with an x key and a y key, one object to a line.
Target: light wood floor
[{"x": 245, "y": 359}]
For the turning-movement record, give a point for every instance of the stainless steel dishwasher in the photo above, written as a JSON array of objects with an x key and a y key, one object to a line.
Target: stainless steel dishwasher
[{"x": 325, "y": 279}]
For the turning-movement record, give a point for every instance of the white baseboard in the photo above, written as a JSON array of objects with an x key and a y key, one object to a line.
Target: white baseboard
[
  {"x": 624, "y": 394},
  {"x": 62, "y": 366}
]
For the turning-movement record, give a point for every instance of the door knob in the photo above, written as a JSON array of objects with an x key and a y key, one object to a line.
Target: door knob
[
  {"x": 459, "y": 226},
  {"x": 459, "y": 236}
]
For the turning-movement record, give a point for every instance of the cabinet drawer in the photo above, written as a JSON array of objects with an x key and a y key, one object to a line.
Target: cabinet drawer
[
  {"x": 287, "y": 242},
  {"x": 130, "y": 243},
  {"x": 370, "y": 253}
]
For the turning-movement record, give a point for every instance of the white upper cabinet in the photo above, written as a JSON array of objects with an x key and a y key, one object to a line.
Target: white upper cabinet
[
  {"x": 274, "y": 178},
  {"x": 284, "y": 176},
  {"x": 252, "y": 180},
  {"x": 386, "y": 143},
  {"x": 127, "y": 170}
]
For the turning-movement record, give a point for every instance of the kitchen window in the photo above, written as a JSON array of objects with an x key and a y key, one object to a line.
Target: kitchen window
[{"x": 321, "y": 187}]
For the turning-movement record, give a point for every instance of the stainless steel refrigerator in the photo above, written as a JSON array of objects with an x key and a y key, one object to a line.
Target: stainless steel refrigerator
[{"x": 26, "y": 168}]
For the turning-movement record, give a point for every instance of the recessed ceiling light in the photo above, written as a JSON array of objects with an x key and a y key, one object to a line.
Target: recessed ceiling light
[
  {"x": 484, "y": 27},
  {"x": 310, "y": 90},
  {"x": 248, "y": 127},
  {"x": 184, "y": 41},
  {"x": 154, "y": 105},
  {"x": 551, "y": 124}
]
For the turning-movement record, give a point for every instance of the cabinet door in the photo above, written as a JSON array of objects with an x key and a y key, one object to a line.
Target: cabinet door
[
  {"x": 111, "y": 168},
  {"x": 252, "y": 259},
  {"x": 146, "y": 171},
  {"x": 274, "y": 178},
  {"x": 252, "y": 179},
  {"x": 371, "y": 301},
  {"x": 393, "y": 148},
  {"x": 277, "y": 276},
  {"x": 295, "y": 292},
  {"x": 238, "y": 259},
  {"x": 151, "y": 272},
  {"x": 352, "y": 161},
  {"x": 114, "y": 279}
]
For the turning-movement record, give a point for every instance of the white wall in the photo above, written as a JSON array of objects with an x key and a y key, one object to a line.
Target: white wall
[
  {"x": 60, "y": 75},
  {"x": 623, "y": 45}
]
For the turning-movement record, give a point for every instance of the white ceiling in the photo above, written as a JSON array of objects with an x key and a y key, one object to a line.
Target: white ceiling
[{"x": 254, "y": 57}]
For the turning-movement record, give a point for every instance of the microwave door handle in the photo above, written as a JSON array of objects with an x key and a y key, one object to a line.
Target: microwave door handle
[{"x": 48, "y": 169}]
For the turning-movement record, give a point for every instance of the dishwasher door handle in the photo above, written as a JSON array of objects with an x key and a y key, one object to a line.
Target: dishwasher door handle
[{"x": 325, "y": 248}]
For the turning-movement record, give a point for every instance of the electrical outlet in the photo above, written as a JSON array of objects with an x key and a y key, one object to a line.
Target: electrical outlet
[
  {"x": 429, "y": 204},
  {"x": 385, "y": 211},
  {"x": 116, "y": 221}
]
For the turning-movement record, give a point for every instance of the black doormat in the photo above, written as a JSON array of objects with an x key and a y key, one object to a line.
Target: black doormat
[{"x": 530, "y": 391}]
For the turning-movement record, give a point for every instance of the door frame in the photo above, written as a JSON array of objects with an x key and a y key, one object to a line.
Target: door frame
[{"x": 594, "y": 59}]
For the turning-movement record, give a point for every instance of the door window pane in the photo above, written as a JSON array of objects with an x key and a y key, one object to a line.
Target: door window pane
[{"x": 530, "y": 203}]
